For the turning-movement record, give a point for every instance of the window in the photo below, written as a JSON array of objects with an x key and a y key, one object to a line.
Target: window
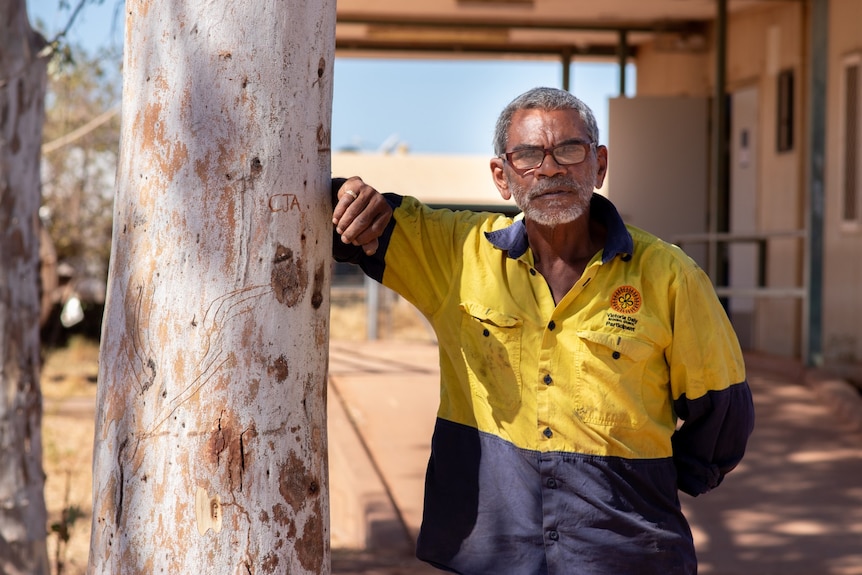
[
  {"x": 851, "y": 139},
  {"x": 784, "y": 135}
]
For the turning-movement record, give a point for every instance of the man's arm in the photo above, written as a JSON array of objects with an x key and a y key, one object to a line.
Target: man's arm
[
  {"x": 711, "y": 442},
  {"x": 710, "y": 390}
]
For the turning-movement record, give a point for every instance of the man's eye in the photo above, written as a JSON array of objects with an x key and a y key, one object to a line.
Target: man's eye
[{"x": 528, "y": 154}]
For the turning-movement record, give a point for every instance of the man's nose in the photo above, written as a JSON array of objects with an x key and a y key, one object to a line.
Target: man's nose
[{"x": 549, "y": 166}]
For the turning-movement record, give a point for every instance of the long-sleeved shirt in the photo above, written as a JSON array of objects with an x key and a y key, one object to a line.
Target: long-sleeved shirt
[{"x": 556, "y": 448}]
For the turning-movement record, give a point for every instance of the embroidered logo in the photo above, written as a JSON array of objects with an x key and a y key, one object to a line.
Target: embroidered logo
[{"x": 626, "y": 300}]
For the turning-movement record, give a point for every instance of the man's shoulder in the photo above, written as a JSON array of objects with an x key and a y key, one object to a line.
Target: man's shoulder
[
  {"x": 485, "y": 220},
  {"x": 657, "y": 251}
]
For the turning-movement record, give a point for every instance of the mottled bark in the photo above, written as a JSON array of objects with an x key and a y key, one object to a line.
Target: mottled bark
[
  {"x": 210, "y": 447},
  {"x": 22, "y": 95}
]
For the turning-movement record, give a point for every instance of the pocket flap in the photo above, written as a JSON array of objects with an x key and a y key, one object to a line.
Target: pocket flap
[
  {"x": 630, "y": 347},
  {"x": 485, "y": 314}
]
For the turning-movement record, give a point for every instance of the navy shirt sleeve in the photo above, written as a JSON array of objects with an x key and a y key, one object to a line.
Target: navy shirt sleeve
[{"x": 712, "y": 440}]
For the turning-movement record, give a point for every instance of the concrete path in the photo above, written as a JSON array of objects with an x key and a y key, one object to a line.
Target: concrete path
[
  {"x": 794, "y": 506},
  {"x": 382, "y": 404}
]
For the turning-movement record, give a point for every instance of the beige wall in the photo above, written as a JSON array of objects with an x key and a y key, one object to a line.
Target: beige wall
[
  {"x": 760, "y": 43},
  {"x": 842, "y": 307},
  {"x": 666, "y": 73}
]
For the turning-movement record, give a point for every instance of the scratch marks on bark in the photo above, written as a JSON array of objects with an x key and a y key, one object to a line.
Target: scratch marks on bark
[
  {"x": 209, "y": 372},
  {"x": 148, "y": 382},
  {"x": 290, "y": 277},
  {"x": 213, "y": 357},
  {"x": 242, "y": 457},
  {"x": 121, "y": 483},
  {"x": 138, "y": 325}
]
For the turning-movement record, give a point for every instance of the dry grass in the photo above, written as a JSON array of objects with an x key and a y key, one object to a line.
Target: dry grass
[
  {"x": 396, "y": 319},
  {"x": 69, "y": 390}
]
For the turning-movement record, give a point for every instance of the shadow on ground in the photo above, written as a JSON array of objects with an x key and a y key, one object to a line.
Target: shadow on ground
[
  {"x": 379, "y": 563},
  {"x": 794, "y": 506}
]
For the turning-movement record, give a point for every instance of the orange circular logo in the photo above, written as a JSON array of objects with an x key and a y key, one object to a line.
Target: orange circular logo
[{"x": 626, "y": 299}]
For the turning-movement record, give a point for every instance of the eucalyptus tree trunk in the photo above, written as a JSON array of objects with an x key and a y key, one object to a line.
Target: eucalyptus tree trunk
[
  {"x": 23, "y": 81},
  {"x": 210, "y": 447}
]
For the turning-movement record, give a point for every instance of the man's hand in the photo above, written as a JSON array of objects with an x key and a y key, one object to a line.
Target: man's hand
[{"x": 360, "y": 215}]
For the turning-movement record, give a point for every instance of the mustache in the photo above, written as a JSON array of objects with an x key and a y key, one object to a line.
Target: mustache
[{"x": 555, "y": 184}]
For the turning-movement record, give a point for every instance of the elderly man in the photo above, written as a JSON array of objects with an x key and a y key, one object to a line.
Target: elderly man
[{"x": 587, "y": 370}]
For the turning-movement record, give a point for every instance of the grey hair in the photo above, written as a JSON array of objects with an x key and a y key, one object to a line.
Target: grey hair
[{"x": 542, "y": 99}]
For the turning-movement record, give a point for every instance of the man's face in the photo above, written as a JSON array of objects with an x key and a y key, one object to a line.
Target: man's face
[{"x": 552, "y": 193}]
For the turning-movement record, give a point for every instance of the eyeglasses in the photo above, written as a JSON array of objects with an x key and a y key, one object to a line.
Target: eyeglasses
[{"x": 564, "y": 154}]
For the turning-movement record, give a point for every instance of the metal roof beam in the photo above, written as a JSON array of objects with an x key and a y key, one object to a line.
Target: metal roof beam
[
  {"x": 485, "y": 23},
  {"x": 599, "y": 51}
]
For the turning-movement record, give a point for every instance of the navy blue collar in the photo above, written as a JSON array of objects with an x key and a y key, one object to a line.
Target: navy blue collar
[{"x": 513, "y": 239}]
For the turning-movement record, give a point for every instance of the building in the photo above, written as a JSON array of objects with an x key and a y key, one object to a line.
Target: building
[{"x": 752, "y": 114}]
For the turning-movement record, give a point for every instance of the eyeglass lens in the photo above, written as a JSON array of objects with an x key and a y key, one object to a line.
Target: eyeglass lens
[{"x": 566, "y": 154}]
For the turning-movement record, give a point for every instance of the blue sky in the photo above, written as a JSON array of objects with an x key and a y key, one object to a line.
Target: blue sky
[{"x": 432, "y": 106}]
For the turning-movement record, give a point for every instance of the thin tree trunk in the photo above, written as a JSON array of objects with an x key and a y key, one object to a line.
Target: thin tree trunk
[
  {"x": 210, "y": 447},
  {"x": 23, "y": 81}
]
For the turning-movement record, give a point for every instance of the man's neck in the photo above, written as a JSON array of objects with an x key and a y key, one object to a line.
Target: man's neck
[{"x": 561, "y": 252}]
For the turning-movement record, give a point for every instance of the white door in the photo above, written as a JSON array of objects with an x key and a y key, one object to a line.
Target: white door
[
  {"x": 658, "y": 166},
  {"x": 743, "y": 265}
]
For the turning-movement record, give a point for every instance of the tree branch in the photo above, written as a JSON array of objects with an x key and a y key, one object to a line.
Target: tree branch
[{"x": 69, "y": 24}]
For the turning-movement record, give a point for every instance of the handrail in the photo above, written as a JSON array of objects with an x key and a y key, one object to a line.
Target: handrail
[
  {"x": 739, "y": 237},
  {"x": 759, "y": 238}
]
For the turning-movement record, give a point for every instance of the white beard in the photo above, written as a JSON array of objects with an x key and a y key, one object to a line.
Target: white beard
[{"x": 575, "y": 206}]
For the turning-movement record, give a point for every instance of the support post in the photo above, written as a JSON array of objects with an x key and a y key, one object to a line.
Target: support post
[
  {"x": 818, "y": 19},
  {"x": 623, "y": 52},
  {"x": 718, "y": 194}
]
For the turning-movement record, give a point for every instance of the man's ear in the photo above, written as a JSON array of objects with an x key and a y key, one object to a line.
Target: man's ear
[
  {"x": 602, "y": 162},
  {"x": 499, "y": 177}
]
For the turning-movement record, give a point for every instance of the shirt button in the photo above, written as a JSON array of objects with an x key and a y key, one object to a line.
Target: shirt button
[
  {"x": 532, "y": 272},
  {"x": 552, "y": 325},
  {"x": 548, "y": 379},
  {"x": 553, "y": 535},
  {"x": 548, "y": 433},
  {"x": 551, "y": 483},
  {"x": 615, "y": 355}
]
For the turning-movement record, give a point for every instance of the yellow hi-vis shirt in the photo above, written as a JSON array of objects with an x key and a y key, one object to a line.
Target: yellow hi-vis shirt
[{"x": 557, "y": 424}]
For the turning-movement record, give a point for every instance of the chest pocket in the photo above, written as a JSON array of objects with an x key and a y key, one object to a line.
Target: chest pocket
[
  {"x": 491, "y": 347},
  {"x": 610, "y": 381}
]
